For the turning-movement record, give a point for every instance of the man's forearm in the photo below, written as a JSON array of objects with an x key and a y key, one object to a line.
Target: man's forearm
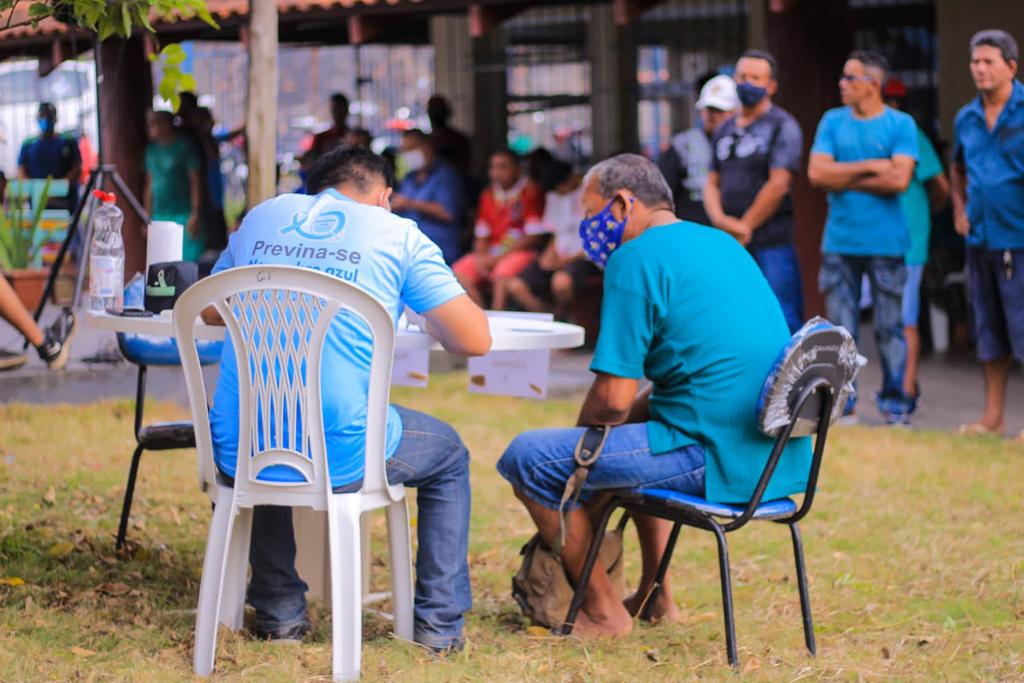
[
  {"x": 957, "y": 188},
  {"x": 434, "y": 210},
  {"x": 837, "y": 175},
  {"x": 713, "y": 201},
  {"x": 885, "y": 184},
  {"x": 766, "y": 203}
]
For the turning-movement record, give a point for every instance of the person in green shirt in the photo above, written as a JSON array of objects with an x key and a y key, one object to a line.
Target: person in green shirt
[
  {"x": 686, "y": 307},
  {"x": 172, "y": 181},
  {"x": 927, "y": 193}
]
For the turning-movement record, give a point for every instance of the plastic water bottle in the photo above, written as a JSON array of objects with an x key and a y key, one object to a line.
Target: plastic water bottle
[{"x": 106, "y": 255}]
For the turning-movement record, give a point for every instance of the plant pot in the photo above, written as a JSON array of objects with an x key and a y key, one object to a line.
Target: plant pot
[{"x": 28, "y": 284}]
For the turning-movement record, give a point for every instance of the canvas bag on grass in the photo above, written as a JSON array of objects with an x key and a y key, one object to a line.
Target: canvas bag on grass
[{"x": 541, "y": 587}]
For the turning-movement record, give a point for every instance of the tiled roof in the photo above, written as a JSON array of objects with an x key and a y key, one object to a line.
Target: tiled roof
[{"x": 220, "y": 9}]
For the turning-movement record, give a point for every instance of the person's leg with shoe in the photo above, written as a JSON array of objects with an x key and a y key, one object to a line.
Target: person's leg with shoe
[
  {"x": 52, "y": 345},
  {"x": 888, "y": 276},
  {"x": 276, "y": 592},
  {"x": 911, "y": 314},
  {"x": 432, "y": 459},
  {"x": 537, "y": 464},
  {"x": 839, "y": 280}
]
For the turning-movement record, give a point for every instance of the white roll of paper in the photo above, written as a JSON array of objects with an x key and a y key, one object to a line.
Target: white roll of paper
[{"x": 164, "y": 242}]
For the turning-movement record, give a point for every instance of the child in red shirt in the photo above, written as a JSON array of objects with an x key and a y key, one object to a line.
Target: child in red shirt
[{"x": 508, "y": 228}]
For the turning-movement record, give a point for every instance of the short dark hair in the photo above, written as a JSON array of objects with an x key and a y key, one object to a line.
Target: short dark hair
[
  {"x": 766, "y": 56},
  {"x": 993, "y": 37},
  {"x": 416, "y": 133},
  {"x": 354, "y": 165},
  {"x": 339, "y": 97},
  {"x": 505, "y": 152},
  {"x": 47, "y": 108},
  {"x": 553, "y": 174},
  {"x": 873, "y": 60}
]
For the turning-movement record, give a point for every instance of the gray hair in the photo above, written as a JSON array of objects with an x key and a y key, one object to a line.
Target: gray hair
[
  {"x": 993, "y": 37},
  {"x": 634, "y": 173}
]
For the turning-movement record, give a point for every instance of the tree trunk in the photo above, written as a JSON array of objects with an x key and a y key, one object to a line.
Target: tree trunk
[
  {"x": 126, "y": 94},
  {"x": 261, "y": 108}
]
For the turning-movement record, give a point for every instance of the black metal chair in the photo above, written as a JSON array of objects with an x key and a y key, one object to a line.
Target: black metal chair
[
  {"x": 144, "y": 351},
  {"x": 815, "y": 369}
]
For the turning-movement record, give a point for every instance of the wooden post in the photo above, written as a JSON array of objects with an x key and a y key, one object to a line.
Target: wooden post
[
  {"x": 810, "y": 40},
  {"x": 261, "y": 105},
  {"x": 126, "y": 94}
]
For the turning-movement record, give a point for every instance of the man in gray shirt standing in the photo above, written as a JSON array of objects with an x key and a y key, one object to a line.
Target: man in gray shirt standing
[
  {"x": 685, "y": 164},
  {"x": 755, "y": 155}
]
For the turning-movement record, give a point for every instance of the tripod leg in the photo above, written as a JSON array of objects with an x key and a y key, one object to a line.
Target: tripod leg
[
  {"x": 66, "y": 245},
  {"x": 87, "y": 239},
  {"x": 124, "y": 191}
]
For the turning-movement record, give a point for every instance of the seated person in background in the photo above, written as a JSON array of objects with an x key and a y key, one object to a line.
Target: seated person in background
[
  {"x": 686, "y": 306},
  {"x": 389, "y": 258},
  {"x": 508, "y": 228},
  {"x": 430, "y": 194},
  {"x": 562, "y": 271}
]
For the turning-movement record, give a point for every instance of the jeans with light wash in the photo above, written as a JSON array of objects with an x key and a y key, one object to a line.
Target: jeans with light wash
[
  {"x": 840, "y": 281},
  {"x": 430, "y": 458},
  {"x": 538, "y": 464},
  {"x": 782, "y": 270}
]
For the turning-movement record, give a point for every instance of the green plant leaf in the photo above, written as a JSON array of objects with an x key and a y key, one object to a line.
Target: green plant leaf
[
  {"x": 38, "y": 10},
  {"x": 126, "y": 20},
  {"x": 187, "y": 83}
]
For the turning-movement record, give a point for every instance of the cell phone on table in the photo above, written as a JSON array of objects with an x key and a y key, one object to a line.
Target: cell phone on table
[{"x": 131, "y": 313}]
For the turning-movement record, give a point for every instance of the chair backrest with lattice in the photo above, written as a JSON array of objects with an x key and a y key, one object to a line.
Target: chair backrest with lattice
[{"x": 278, "y": 318}]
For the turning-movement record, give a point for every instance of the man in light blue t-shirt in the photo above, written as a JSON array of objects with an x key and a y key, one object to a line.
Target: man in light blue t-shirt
[
  {"x": 864, "y": 155},
  {"x": 345, "y": 229}
]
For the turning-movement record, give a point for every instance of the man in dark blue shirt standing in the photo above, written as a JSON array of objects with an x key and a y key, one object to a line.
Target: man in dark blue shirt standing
[
  {"x": 987, "y": 180},
  {"x": 755, "y": 155},
  {"x": 52, "y": 156},
  {"x": 431, "y": 194}
]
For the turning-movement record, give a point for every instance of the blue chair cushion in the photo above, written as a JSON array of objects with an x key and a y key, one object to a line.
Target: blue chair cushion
[
  {"x": 772, "y": 509},
  {"x": 143, "y": 349}
]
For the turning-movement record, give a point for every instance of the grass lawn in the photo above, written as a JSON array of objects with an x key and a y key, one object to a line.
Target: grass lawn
[{"x": 915, "y": 551}]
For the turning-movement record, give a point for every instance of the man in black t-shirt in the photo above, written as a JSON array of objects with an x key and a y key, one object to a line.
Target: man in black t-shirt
[{"x": 755, "y": 155}]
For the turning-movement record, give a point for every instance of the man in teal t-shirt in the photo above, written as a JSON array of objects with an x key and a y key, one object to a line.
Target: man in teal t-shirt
[
  {"x": 928, "y": 192},
  {"x": 864, "y": 155},
  {"x": 686, "y": 307}
]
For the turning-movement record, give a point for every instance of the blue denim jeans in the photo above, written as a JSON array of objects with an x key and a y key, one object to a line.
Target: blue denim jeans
[
  {"x": 782, "y": 270},
  {"x": 538, "y": 464},
  {"x": 430, "y": 458},
  {"x": 840, "y": 282}
]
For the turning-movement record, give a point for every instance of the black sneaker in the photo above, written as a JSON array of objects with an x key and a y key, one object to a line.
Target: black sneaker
[
  {"x": 11, "y": 360},
  {"x": 56, "y": 348},
  {"x": 289, "y": 634}
]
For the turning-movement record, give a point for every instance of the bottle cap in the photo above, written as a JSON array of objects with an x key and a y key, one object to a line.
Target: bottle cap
[{"x": 105, "y": 197}]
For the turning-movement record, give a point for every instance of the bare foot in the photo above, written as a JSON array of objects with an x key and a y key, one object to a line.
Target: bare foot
[
  {"x": 982, "y": 427},
  {"x": 612, "y": 625},
  {"x": 663, "y": 609}
]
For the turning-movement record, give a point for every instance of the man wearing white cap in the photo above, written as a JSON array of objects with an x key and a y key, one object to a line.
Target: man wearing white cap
[
  {"x": 756, "y": 155},
  {"x": 685, "y": 164}
]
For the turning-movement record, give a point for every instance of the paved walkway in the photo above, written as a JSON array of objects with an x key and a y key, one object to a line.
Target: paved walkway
[{"x": 951, "y": 386}]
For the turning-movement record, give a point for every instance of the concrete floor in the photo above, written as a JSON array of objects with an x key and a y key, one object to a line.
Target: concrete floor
[{"x": 951, "y": 386}]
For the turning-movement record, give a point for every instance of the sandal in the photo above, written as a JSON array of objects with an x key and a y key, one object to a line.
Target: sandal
[{"x": 976, "y": 429}]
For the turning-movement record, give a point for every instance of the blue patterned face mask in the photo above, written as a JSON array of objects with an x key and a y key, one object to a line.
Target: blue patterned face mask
[{"x": 602, "y": 234}]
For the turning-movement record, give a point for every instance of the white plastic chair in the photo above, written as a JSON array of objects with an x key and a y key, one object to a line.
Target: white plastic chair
[{"x": 270, "y": 304}]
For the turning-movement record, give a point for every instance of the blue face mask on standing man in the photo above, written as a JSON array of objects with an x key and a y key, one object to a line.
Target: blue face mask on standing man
[
  {"x": 750, "y": 94},
  {"x": 602, "y": 234}
]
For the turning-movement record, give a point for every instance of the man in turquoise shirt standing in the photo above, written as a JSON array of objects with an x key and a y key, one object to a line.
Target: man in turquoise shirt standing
[
  {"x": 928, "y": 192},
  {"x": 864, "y": 155},
  {"x": 686, "y": 307}
]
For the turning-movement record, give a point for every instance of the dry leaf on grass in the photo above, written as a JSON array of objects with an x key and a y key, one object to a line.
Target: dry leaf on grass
[
  {"x": 113, "y": 588},
  {"x": 81, "y": 652},
  {"x": 50, "y": 497},
  {"x": 538, "y": 631},
  {"x": 751, "y": 665},
  {"x": 698, "y": 618},
  {"x": 12, "y": 581},
  {"x": 62, "y": 549}
]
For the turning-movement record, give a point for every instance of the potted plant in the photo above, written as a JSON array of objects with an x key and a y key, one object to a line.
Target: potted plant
[{"x": 20, "y": 245}]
